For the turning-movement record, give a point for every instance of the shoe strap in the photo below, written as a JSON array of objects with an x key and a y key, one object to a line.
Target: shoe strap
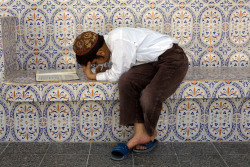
[{"x": 121, "y": 148}]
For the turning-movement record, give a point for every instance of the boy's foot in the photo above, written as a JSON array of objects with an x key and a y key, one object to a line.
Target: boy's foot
[
  {"x": 150, "y": 146},
  {"x": 141, "y": 147},
  {"x": 138, "y": 139}
]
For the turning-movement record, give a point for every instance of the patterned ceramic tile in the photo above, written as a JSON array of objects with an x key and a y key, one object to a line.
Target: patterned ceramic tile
[
  {"x": 64, "y": 60},
  {"x": 92, "y": 91},
  {"x": 185, "y": 120},
  {"x": 243, "y": 126},
  {"x": 165, "y": 122},
  {"x": 228, "y": 89},
  {"x": 199, "y": 83},
  {"x": 123, "y": 17},
  {"x": 182, "y": 21},
  {"x": 94, "y": 20},
  {"x": 206, "y": 107},
  {"x": 188, "y": 117},
  {"x": 90, "y": 120},
  {"x": 35, "y": 61},
  {"x": 211, "y": 20},
  {"x": 153, "y": 19},
  {"x": 64, "y": 25},
  {"x": 8, "y": 43},
  {"x": 220, "y": 124},
  {"x": 58, "y": 92},
  {"x": 4, "y": 120},
  {"x": 194, "y": 90},
  {"x": 116, "y": 131},
  {"x": 34, "y": 22},
  {"x": 238, "y": 59},
  {"x": 59, "y": 122},
  {"x": 21, "y": 93},
  {"x": 114, "y": 91},
  {"x": 238, "y": 24},
  {"x": 26, "y": 122},
  {"x": 58, "y": 23}
]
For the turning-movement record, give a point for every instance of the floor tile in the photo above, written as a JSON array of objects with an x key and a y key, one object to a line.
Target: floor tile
[
  {"x": 204, "y": 160},
  {"x": 106, "y": 148},
  {"x": 69, "y": 148},
  {"x": 26, "y": 148},
  {"x": 194, "y": 148},
  {"x": 3, "y": 146},
  {"x": 155, "y": 160},
  {"x": 233, "y": 147},
  {"x": 102, "y": 148},
  {"x": 64, "y": 160},
  {"x": 237, "y": 160},
  {"x": 233, "y": 154},
  {"x": 16, "y": 160},
  {"x": 106, "y": 161}
]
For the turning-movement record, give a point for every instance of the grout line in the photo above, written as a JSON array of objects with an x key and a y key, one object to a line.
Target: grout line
[
  {"x": 89, "y": 154},
  {"x": 176, "y": 154},
  {"x": 44, "y": 155},
  {"x": 220, "y": 154},
  {"x": 133, "y": 160},
  {"x": 5, "y": 148}
]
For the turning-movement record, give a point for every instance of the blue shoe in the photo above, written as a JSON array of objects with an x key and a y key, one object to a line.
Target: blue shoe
[
  {"x": 150, "y": 146},
  {"x": 120, "y": 152}
]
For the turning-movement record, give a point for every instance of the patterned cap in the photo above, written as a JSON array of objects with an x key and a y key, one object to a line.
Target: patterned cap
[{"x": 85, "y": 42}]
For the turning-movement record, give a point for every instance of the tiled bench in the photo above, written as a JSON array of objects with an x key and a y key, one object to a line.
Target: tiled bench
[
  {"x": 200, "y": 83},
  {"x": 211, "y": 104}
]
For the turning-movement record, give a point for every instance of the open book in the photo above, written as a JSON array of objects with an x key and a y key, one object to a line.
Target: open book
[{"x": 56, "y": 75}]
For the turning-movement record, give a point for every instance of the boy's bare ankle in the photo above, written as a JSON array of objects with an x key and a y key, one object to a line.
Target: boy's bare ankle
[{"x": 154, "y": 136}]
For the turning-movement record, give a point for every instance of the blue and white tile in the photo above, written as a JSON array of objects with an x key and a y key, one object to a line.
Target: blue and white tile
[
  {"x": 228, "y": 89},
  {"x": 90, "y": 124},
  {"x": 59, "y": 121},
  {"x": 243, "y": 126},
  {"x": 92, "y": 91},
  {"x": 116, "y": 131},
  {"x": 21, "y": 93},
  {"x": 4, "y": 120},
  {"x": 193, "y": 90},
  {"x": 188, "y": 125},
  {"x": 26, "y": 117},
  {"x": 58, "y": 92},
  {"x": 220, "y": 124}
]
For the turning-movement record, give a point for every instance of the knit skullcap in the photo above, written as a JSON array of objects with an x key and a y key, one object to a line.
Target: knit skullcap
[{"x": 86, "y": 46}]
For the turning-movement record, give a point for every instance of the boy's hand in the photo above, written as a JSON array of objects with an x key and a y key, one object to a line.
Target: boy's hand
[
  {"x": 88, "y": 72},
  {"x": 100, "y": 69}
]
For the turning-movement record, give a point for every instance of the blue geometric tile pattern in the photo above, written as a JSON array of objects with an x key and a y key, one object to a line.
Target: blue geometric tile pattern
[
  {"x": 224, "y": 82},
  {"x": 54, "y": 24},
  {"x": 209, "y": 105}
]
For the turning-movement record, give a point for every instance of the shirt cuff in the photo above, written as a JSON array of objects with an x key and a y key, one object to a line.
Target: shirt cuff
[{"x": 101, "y": 76}]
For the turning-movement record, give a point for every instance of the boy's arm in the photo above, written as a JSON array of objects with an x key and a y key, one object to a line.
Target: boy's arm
[
  {"x": 123, "y": 58},
  {"x": 88, "y": 72}
]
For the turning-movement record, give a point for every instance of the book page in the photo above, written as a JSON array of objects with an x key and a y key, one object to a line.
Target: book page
[
  {"x": 56, "y": 71},
  {"x": 56, "y": 77}
]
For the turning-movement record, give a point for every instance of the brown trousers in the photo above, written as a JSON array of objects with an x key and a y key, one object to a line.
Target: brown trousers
[{"x": 144, "y": 87}]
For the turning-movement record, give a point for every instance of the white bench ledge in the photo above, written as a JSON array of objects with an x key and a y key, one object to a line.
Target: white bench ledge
[{"x": 200, "y": 82}]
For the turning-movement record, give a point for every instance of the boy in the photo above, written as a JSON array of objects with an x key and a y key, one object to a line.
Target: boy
[{"x": 149, "y": 67}]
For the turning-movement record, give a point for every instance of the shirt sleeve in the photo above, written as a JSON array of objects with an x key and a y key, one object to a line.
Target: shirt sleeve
[{"x": 123, "y": 58}]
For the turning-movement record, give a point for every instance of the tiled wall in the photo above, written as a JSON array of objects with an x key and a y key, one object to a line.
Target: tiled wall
[
  {"x": 8, "y": 57},
  {"x": 213, "y": 32},
  {"x": 82, "y": 121}
]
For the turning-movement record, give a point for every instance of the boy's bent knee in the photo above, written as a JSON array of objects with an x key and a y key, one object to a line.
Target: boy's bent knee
[
  {"x": 122, "y": 78},
  {"x": 123, "y": 82}
]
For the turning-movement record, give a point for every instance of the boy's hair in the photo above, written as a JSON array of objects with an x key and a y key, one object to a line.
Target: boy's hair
[{"x": 86, "y": 46}]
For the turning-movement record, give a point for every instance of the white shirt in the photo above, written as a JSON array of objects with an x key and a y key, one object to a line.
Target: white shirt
[{"x": 133, "y": 46}]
